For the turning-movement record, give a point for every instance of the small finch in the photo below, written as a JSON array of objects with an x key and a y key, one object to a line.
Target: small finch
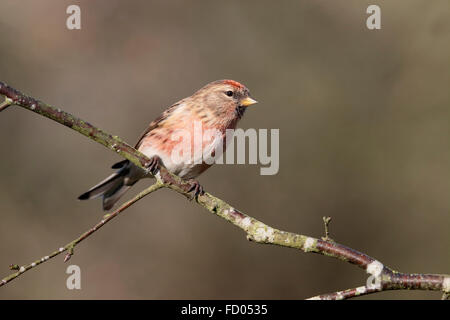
[{"x": 218, "y": 106}]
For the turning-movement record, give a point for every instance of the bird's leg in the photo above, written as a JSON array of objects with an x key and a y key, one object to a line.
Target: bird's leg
[
  {"x": 196, "y": 187},
  {"x": 153, "y": 165}
]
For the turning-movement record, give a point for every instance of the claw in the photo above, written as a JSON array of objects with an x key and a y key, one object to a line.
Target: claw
[
  {"x": 153, "y": 165},
  {"x": 197, "y": 188}
]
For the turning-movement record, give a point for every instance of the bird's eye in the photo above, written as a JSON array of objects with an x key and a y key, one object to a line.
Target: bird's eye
[{"x": 229, "y": 93}]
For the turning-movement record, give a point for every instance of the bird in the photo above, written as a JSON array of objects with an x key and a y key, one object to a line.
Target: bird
[{"x": 218, "y": 106}]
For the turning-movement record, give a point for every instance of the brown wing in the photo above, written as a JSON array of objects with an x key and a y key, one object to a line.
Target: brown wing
[{"x": 155, "y": 123}]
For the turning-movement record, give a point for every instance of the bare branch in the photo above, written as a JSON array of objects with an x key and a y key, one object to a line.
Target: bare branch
[
  {"x": 5, "y": 104},
  {"x": 71, "y": 245},
  {"x": 346, "y": 294},
  {"x": 326, "y": 223},
  {"x": 383, "y": 278}
]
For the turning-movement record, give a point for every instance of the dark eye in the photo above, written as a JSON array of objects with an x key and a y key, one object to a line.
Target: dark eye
[{"x": 229, "y": 93}]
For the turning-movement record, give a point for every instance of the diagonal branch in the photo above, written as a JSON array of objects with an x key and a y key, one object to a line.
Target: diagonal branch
[
  {"x": 384, "y": 277},
  {"x": 5, "y": 104},
  {"x": 71, "y": 245},
  {"x": 346, "y": 294}
]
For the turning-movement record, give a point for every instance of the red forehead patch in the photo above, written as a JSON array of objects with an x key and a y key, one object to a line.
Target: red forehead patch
[{"x": 234, "y": 84}]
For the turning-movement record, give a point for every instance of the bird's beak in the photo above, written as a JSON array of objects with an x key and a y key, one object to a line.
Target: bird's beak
[{"x": 248, "y": 102}]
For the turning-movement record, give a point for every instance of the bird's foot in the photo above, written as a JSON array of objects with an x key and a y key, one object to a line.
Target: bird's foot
[
  {"x": 153, "y": 165},
  {"x": 196, "y": 188}
]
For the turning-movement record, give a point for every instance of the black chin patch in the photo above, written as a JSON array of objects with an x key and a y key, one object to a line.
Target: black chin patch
[{"x": 240, "y": 110}]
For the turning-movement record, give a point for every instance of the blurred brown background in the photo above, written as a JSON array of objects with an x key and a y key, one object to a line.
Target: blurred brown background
[{"x": 364, "y": 138}]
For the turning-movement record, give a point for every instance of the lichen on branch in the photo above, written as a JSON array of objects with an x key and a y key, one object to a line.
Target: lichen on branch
[{"x": 384, "y": 277}]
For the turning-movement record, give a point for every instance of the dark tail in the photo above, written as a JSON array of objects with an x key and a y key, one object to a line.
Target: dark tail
[{"x": 112, "y": 188}]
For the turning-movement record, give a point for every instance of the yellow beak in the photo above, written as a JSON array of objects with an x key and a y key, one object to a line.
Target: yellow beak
[{"x": 248, "y": 102}]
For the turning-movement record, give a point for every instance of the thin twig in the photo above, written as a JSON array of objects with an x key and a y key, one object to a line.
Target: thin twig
[
  {"x": 346, "y": 294},
  {"x": 5, "y": 104},
  {"x": 326, "y": 222},
  {"x": 71, "y": 245},
  {"x": 385, "y": 278}
]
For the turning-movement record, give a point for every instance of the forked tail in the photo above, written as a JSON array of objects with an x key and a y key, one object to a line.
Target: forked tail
[{"x": 112, "y": 188}]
